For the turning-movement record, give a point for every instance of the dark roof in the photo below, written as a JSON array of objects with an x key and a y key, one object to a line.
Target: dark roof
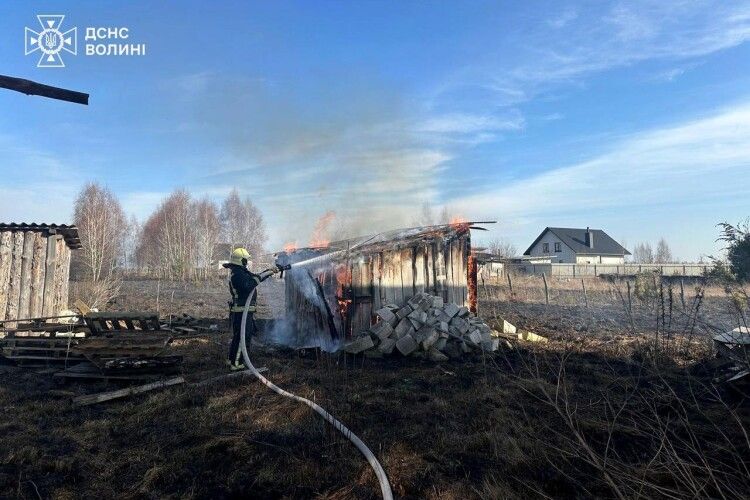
[
  {"x": 69, "y": 233},
  {"x": 575, "y": 238}
]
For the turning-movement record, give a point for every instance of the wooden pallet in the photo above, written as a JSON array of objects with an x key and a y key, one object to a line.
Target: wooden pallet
[
  {"x": 40, "y": 350},
  {"x": 100, "y": 323}
]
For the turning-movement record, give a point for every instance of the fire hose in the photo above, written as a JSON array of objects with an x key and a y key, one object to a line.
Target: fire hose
[{"x": 385, "y": 487}]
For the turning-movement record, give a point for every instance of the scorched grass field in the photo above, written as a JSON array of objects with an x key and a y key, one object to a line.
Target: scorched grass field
[{"x": 608, "y": 408}]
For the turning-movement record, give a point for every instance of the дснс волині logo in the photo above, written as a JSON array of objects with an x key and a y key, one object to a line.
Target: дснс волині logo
[{"x": 50, "y": 41}]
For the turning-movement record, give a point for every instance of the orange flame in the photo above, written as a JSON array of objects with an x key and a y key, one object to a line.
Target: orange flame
[
  {"x": 290, "y": 247},
  {"x": 320, "y": 237},
  {"x": 459, "y": 222}
]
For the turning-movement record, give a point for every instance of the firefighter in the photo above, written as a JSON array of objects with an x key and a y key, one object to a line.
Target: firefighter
[{"x": 241, "y": 283}]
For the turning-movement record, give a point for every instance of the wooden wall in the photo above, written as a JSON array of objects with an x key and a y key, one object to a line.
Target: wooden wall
[
  {"x": 34, "y": 271},
  {"x": 438, "y": 266}
]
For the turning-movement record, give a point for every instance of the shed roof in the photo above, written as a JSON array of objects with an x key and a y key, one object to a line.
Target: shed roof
[
  {"x": 68, "y": 232},
  {"x": 387, "y": 240},
  {"x": 575, "y": 238}
]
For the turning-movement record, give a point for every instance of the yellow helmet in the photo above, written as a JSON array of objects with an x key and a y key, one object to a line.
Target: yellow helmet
[{"x": 238, "y": 255}]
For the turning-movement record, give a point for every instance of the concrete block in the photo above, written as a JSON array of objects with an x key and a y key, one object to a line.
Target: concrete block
[
  {"x": 429, "y": 339},
  {"x": 463, "y": 312},
  {"x": 382, "y": 329},
  {"x": 486, "y": 336},
  {"x": 406, "y": 345},
  {"x": 418, "y": 316},
  {"x": 461, "y": 324},
  {"x": 359, "y": 344},
  {"x": 403, "y": 327},
  {"x": 475, "y": 337},
  {"x": 490, "y": 345},
  {"x": 444, "y": 317},
  {"x": 465, "y": 348},
  {"x": 437, "y": 302},
  {"x": 442, "y": 326},
  {"x": 425, "y": 303},
  {"x": 387, "y": 346},
  {"x": 531, "y": 337},
  {"x": 387, "y": 315},
  {"x": 404, "y": 312},
  {"x": 436, "y": 356},
  {"x": 450, "y": 309}
]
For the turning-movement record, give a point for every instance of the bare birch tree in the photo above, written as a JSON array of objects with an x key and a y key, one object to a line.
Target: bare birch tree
[
  {"x": 102, "y": 226},
  {"x": 207, "y": 232},
  {"x": 663, "y": 252},
  {"x": 242, "y": 224},
  {"x": 502, "y": 248}
]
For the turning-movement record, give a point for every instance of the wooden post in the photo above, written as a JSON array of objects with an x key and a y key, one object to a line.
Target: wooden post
[
  {"x": 26, "y": 260},
  {"x": 585, "y": 297},
  {"x": 682, "y": 292},
  {"x": 510, "y": 283},
  {"x": 37, "y": 276},
  {"x": 630, "y": 303},
  {"x": 546, "y": 290},
  {"x": 48, "y": 307},
  {"x": 14, "y": 289},
  {"x": 6, "y": 238}
]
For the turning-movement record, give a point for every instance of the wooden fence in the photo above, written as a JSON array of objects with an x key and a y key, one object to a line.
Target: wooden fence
[{"x": 593, "y": 270}]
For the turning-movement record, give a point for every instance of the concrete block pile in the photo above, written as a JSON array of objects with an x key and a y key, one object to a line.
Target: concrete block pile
[{"x": 426, "y": 327}]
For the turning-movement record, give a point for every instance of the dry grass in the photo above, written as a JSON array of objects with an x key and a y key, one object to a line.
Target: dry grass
[{"x": 589, "y": 414}]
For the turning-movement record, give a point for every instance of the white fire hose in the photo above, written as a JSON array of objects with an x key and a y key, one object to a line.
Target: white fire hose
[{"x": 385, "y": 486}]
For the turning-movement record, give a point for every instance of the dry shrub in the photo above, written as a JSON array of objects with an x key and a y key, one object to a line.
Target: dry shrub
[
  {"x": 639, "y": 430},
  {"x": 96, "y": 294}
]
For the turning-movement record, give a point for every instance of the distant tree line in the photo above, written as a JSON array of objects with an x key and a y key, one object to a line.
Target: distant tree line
[
  {"x": 179, "y": 240},
  {"x": 643, "y": 253}
]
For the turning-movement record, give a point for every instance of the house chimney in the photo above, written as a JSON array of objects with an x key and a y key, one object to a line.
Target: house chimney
[{"x": 589, "y": 238}]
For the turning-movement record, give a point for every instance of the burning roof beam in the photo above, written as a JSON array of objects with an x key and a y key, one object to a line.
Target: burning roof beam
[{"x": 33, "y": 88}]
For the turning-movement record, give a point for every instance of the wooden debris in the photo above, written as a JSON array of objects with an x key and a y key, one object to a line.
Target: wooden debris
[{"x": 91, "y": 399}]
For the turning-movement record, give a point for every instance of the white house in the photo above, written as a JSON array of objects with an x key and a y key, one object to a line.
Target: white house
[{"x": 576, "y": 246}]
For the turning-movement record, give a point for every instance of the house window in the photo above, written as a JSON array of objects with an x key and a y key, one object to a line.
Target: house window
[
  {"x": 558, "y": 247},
  {"x": 545, "y": 247}
]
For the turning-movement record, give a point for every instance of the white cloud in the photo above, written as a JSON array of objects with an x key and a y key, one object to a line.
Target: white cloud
[
  {"x": 689, "y": 167},
  {"x": 459, "y": 123},
  {"x": 615, "y": 37}
]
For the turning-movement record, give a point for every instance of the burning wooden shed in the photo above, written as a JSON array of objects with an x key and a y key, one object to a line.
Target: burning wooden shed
[
  {"x": 335, "y": 290},
  {"x": 34, "y": 269}
]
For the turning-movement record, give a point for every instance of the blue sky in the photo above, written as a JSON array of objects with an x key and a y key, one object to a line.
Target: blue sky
[{"x": 633, "y": 117}]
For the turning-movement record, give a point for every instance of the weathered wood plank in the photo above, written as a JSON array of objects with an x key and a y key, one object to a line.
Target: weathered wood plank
[
  {"x": 26, "y": 260},
  {"x": 48, "y": 305},
  {"x": 407, "y": 272},
  {"x": 65, "y": 278},
  {"x": 420, "y": 280},
  {"x": 375, "y": 269},
  {"x": 441, "y": 277},
  {"x": 91, "y": 399},
  {"x": 14, "y": 287},
  {"x": 389, "y": 279},
  {"x": 398, "y": 283},
  {"x": 430, "y": 268},
  {"x": 6, "y": 258},
  {"x": 37, "y": 275}
]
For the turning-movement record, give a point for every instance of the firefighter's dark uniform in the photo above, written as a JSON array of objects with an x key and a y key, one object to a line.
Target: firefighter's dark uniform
[{"x": 241, "y": 283}]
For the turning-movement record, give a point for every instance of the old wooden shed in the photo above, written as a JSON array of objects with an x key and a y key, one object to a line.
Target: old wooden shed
[
  {"x": 337, "y": 289},
  {"x": 34, "y": 269}
]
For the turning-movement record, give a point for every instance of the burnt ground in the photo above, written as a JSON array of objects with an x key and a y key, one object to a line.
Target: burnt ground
[{"x": 595, "y": 412}]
